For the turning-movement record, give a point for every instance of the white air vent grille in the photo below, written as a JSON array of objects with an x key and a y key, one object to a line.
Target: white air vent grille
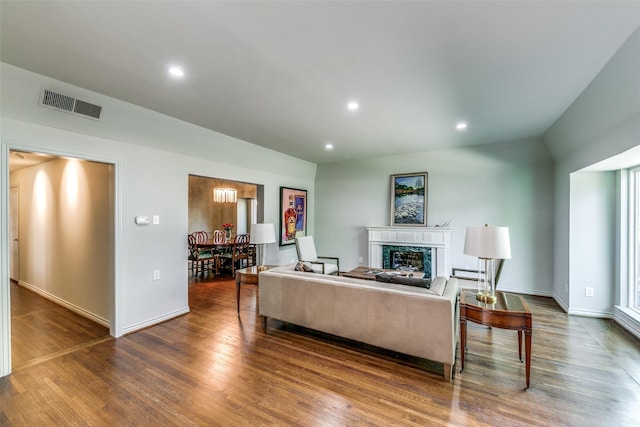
[{"x": 67, "y": 103}]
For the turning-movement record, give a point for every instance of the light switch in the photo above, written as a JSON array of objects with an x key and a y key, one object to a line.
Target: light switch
[{"x": 156, "y": 219}]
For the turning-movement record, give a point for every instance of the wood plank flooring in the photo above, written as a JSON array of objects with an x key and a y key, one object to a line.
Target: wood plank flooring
[{"x": 211, "y": 367}]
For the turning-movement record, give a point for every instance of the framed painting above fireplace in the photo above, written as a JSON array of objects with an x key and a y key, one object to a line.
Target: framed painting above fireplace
[{"x": 409, "y": 199}]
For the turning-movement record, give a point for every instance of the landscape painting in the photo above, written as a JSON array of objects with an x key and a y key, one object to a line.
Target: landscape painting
[{"x": 409, "y": 199}]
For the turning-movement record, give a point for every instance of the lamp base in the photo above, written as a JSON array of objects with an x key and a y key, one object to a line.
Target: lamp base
[
  {"x": 262, "y": 268},
  {"x": 486, "y": 298}
]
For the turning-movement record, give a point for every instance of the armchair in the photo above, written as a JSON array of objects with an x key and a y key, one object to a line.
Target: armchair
[
  {"x": 306, "y": 249},
  {"x": 465, "y": 274}
]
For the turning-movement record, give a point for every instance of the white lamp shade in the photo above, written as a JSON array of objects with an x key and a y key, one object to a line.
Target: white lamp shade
[
  {"x": 488, "y": 242},
  {"x": 262, "y": 233}
]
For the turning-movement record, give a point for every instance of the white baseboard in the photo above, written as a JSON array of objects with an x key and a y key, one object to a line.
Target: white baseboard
[
  {"x": 590, "y": 313},
  {"x": 154, "y": 321},
  {"x": 66, "y": 304},
  {"x": 561, "y": 303},
  {"x": 628, "y": 320},
  {"x": 533, "y": 292}
]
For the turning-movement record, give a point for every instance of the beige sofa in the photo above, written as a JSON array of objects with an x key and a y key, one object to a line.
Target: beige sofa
[{"x": 415, "y": 321}]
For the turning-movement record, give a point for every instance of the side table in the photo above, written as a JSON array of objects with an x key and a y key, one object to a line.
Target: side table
[
  {"x": 248, "y": 276},
  {"x": 509, "y": 312}
]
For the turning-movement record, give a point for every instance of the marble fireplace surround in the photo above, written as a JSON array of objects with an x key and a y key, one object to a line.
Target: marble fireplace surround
[{"x": 436, "y": 238}]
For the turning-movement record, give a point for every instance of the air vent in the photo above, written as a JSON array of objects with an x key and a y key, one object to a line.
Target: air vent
[{"x": 67, "y": 103}]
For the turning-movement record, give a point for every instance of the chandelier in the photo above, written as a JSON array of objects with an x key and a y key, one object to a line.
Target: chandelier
[{"x": 225, "y": 195}]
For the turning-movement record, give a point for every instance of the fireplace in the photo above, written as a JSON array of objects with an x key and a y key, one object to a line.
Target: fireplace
[
  {"x": 430, "y": 246},
  {"x": 408, "y": 258}
]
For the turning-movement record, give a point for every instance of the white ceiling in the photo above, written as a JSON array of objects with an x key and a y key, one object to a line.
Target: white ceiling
[{"x": 279, "y": 74}]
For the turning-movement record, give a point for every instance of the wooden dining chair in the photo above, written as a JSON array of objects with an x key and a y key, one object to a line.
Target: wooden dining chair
[
  {"x": 205, "y": 258},
  {"x": 218, "y": 237},
  {"x": 240, "y": 253},
  {"x": 191, "y": 248}
]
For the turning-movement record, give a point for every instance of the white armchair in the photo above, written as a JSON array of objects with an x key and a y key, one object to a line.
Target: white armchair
[{"x": 306, "y": 249}]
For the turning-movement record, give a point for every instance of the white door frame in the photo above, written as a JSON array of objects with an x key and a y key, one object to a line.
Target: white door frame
[
  {"x": 115, "y": 326},
  {"x": 14, "y": 233}
]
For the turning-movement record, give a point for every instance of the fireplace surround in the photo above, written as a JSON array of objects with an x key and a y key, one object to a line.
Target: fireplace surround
[{"x": 435, "y": 240}]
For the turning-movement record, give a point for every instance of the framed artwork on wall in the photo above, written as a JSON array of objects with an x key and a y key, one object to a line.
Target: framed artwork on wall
[
  {"x": 409, "y": 199},
  {"x": 293, "y": 214}
]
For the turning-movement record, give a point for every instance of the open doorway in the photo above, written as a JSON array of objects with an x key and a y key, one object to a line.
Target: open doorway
[
  {"x": 208, "y": 213},
  {"x": 62, "y": 254}
]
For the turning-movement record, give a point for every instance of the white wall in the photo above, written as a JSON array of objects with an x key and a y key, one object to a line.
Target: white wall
[
  {"x": 66, "y": 234},
  {"x": 502, "y": 184},
  {"x": 153, "y": 157},
  {"x": 603, "y": 122},
  {"x": 592, "y": 258}
]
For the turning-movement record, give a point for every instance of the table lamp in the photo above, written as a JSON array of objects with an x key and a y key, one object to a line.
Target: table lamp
[
  {"x": 261, "y": 234},
  {"x": 488, "y": 244}
]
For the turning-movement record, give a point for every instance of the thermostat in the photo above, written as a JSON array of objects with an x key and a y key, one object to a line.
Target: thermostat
[{"x": 141, "y": 220}]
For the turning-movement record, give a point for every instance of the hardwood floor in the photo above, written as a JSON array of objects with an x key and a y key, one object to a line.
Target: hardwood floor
[{"x": 210, "y": 367}]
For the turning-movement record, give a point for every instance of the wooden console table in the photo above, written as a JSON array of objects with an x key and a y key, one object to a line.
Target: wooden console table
[
  {"x": 509, "y": 312},
  {"x": 248, "y": 276}
]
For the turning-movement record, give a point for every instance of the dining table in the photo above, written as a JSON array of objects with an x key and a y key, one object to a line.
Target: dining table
[{"x": 223, "y": 249}]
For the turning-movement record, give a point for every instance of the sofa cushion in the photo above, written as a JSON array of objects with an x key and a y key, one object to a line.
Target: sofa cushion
[{"x": 403, "y": 280}]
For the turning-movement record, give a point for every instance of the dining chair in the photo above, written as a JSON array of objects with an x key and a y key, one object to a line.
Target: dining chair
[
  {"x": 241, "y": 252},
  {"x": 306, "y": 249},
  {"x": 218, "y": 237},
  {"x": 204, "y": 258},
  {"x": 191, "y": 246}
]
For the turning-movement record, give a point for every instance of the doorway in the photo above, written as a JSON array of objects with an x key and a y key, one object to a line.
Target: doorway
[
  {"x": 62, "y": 260},
  {"x": 205, "y": 214},
  {"x": 14, "y": 237}
]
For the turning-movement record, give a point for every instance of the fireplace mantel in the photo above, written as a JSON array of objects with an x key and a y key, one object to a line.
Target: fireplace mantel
[{"x": 431, "y": 237}]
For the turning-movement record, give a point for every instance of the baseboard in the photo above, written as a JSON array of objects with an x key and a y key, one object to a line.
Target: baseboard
[
  {"x": 628, "y": 320},
  {"x": 590, "y": 313},
  {"x": 532, "y": 292},
  {"x": 561, "y": 303},
  {"x": 66, "y": 304},
  {"x": 154, "y": 321}
]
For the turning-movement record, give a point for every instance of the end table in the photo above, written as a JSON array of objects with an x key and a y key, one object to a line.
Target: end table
[
  {"x": 248, "y": 276},
  {"x": 509, "y": 312}
]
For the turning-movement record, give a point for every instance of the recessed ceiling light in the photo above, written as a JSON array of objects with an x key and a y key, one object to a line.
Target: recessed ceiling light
[
  {"x": 329, "y": 146},
  {"x": 461, "y": 126},
  {"x": 176, "y": 71},
  {"x": 353, "y": 106}
]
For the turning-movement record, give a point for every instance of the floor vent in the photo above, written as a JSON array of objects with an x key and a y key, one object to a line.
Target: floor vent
[{"x": 67, "y": 103}]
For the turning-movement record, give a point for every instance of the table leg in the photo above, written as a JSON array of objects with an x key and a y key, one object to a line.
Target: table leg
[
  {"x": 238, "y": 292},
  {"x": 527, "y": 345},
  {"x": 463, "y": 341},
  {"x": 520, "y": 344}
]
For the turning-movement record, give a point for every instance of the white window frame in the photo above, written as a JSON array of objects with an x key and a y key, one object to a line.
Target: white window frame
[{"x": 634, "y": 239}]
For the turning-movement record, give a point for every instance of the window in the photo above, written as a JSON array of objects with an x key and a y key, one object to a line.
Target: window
[{"x": 634, "y": 236}]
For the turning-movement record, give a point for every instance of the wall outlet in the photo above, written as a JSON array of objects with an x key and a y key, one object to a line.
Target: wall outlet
[
  {"x": 588, "y": 291},
  {"x": 360, "y": 260},
  {"x": 156, "y": 274},
  {"x": 566, "y": 288},
  {"x": 155, "y": 219}
]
